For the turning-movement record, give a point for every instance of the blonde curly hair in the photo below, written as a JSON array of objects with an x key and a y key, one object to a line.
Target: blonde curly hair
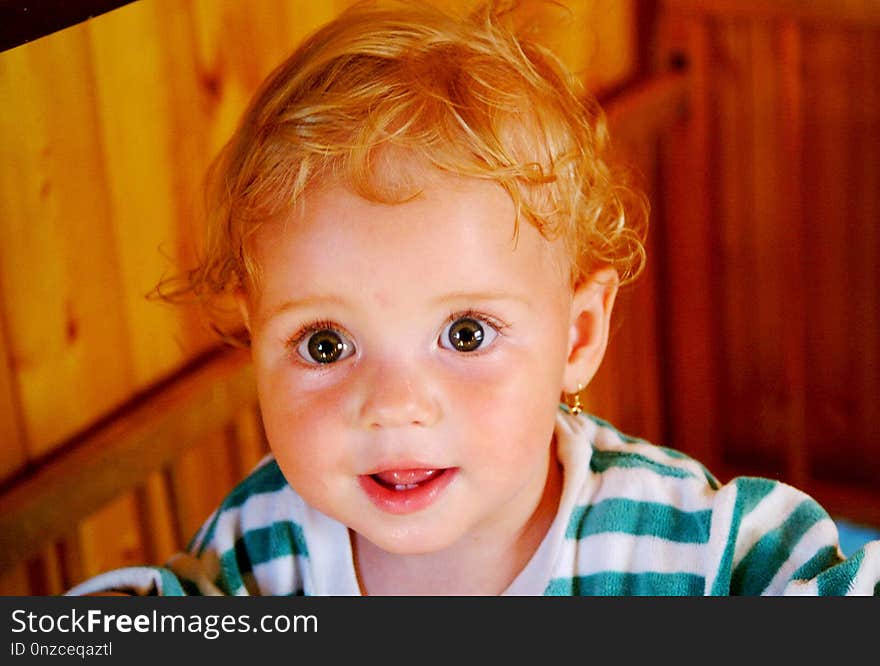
[{"x": 465, "y": 94}]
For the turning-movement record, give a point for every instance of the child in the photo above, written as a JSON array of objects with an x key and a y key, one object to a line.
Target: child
[{"x": 425, "y": 246}]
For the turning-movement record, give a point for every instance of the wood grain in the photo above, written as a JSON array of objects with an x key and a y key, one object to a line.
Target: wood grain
[{"x": 107, "y": 462}]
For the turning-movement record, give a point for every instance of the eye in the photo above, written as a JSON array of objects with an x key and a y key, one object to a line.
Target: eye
[
  {"x": 467, "y": 334},
  {"x": 324, "y": 346}
]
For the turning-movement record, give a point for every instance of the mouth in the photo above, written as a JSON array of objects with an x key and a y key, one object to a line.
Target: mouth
[{"x": 401, "y": 491}]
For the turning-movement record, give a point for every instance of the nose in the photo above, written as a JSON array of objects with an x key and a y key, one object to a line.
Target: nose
[{"x": 396, "y": 394}]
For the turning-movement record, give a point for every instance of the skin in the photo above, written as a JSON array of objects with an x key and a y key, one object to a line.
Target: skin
[{"x": 389, "y": 280}]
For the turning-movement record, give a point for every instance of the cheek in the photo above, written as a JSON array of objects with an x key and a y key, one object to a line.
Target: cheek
[
  {"x": 508, "y": 410},
  {"x": 299, "y": 423}
]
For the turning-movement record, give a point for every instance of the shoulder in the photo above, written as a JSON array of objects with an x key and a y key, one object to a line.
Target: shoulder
[
  {"x": 664, "y": 513},
  {"x": 255, "y": 538},
  {"x": 632, "y": 467},
  {"x": 612, "y": 449},
  {"x": 629, "y": 473},
  {"x": 260, "y": 499},
  {"x": 634, "y": 493}
]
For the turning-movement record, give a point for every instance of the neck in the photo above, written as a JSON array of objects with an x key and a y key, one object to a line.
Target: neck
[{"x": 484, "y": 564}]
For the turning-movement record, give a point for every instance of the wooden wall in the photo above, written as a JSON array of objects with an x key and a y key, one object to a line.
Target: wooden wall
[
  {"x": 768, "y": 236},
  {"x": 105, "y": 133}
]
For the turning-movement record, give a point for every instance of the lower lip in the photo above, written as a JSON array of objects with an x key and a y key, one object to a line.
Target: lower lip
[{"x": 409, "y": 500}]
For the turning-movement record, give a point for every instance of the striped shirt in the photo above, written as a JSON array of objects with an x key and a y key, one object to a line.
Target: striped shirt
[{"x": 633, "y": 519}]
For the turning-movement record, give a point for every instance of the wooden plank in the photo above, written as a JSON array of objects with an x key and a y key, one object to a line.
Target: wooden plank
[
  {"x": 145, "y": 152},
  {"x": 14, "y": 581},
  {"x": 13, "y": 453},
  {"x": 824, "y": 12},
  {"x": 200, "y": 478},
  {"x": 60, "y": 273},
  {"x": 690, "y": 376},
  {"x": 828, "y": 213},
  {"x": 647, "y": 108},
  {"x": 626, "y": 389},
  {"x": 866, "y": 245},
  {"x": 70, "y": 552},
  {"x": 193, "y": 92},
  {"x": 223, "y": 38},
  {"x": 156, "y": 519},
  {"x": 249, "y": 439},
  {"x": 25, "y": 22},
  {"x": 121, "y": 452},
  {"x": 736, "y": 255},
  {"x": 637, "y": 119},
  {"x": 109, "y": 537},
  {"x": 764, "y": 232},
  {"x": 794, "y": 303},
  {"x": 644, "y": 403}
]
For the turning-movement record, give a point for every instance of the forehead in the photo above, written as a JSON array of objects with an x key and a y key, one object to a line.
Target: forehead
[{"x": 455, "y": 236}]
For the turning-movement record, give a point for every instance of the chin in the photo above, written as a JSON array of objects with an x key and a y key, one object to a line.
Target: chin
[{"x": 407, "y": 541}]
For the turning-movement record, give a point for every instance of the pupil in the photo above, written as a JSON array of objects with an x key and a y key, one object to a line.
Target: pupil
[
  {"x": 466, "y": 334},
  {"x": 325, "y": 346}
]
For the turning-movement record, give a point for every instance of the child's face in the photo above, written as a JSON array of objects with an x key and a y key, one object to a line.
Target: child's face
[{"x": 409, "y": 361}]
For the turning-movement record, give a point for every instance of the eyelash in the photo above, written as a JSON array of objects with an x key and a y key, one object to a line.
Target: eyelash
[
  {"x": 312, "y": 327},
  {"x": 495, "y": 323}
]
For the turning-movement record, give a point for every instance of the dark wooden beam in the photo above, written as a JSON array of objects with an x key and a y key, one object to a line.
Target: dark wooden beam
[{"x": 22, "y": 21}]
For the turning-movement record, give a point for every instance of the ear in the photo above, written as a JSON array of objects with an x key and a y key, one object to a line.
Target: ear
[
  {"x": 591, "y": 307},
  {"x": 244, "y": 307}
]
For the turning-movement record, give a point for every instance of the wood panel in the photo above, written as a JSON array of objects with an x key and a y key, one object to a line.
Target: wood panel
[
  {"x": 56, "y": 230},
  {"x": 13, "y": 453},
  {"x": 817, "y": 12},
  {"x": 866, "y": 244},
  {"x": 794, "y": 305},
  {"x": 151, "y": 205},
  {"x": 116, "y": 455},
  {"x": 685, "y": 244},
  {"x": 842, "y": 255},
  {"x": 733, "y": 206},
  {"x": 627, "y": 389},
  {"x": 794, "y": 150}
]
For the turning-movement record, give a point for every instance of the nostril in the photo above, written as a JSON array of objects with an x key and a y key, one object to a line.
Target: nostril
[
  {"x": 404, "y": 414},
  {"x": 393, "y": 397},
  {"x": 388, "y": 421}
]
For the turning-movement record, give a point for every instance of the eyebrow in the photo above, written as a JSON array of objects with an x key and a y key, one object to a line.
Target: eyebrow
[
  {"x": 300, "y": 303},
  {"x": 314, "y": 301},
  {"x": 481, "y": 296}
]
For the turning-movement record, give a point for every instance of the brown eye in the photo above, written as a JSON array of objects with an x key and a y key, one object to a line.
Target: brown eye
[
  {"x": 466, "y": 335},
  {"x": 325, "y": 346}
]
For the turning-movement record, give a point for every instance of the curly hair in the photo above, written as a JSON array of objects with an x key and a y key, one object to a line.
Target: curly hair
[{"x": 464, "y": 94}]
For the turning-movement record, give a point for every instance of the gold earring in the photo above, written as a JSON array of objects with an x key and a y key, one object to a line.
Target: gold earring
[{"x": 574, "y": 406}]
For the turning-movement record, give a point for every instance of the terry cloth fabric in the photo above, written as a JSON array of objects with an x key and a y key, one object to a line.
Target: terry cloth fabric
[{"x": 633, "y": 519}]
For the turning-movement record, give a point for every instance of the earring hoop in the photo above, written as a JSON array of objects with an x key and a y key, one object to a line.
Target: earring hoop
[{"x": 573, "y": 401}]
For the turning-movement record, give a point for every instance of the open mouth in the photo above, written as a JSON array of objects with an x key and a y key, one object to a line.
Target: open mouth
[
  {"x": 406, "y": 490},
  {"x": 405, "y": 479}
]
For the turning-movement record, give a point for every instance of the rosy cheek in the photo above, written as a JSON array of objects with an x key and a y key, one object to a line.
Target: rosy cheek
[
  {"x": 514, "y": 393},
  {"x": 293, "y": 413},
  {"x": 483, "y": 391}
]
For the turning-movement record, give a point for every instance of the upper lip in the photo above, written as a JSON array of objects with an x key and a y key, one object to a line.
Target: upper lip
[{"x": 402, "y": 465}]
